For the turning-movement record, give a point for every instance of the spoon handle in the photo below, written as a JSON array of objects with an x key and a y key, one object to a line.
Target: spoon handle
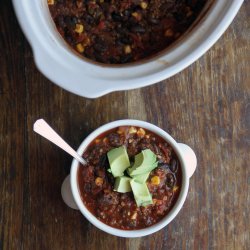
[{"x": 42, "y": 128}]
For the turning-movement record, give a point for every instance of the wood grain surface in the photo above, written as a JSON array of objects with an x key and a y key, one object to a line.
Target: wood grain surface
[{"x": 206, "y": 106}]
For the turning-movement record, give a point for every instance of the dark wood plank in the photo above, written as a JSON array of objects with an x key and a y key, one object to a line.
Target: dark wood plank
[
  {"x": 206, "y": 106},
  {"x": 12, "y": 130}
]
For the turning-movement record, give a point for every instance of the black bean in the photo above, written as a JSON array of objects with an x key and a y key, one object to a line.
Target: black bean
[
  {"x": 74, "y": 20},
  {"x": 104, "y": 161},
  {"x": 113, "y": 60},
  {"x": 100, "y": 47},
  {"x": 122, "y": 31},
  {"x": 70, "y": 21},
  {"x": 138, "y": 29},
  {"x": 116, "y": 17},
  {"x": 156, "y": 149},
  {"x": 173, "y": 165},
  {"x": 68, "y": 36},
  {"x": 60, "y": 21},
  {"x": 127, "y": 12},
  {"x": 163, "y": 165},
  {"x": 126, "y": 40},
  {"x": 170, "y": 180},
  {"x": 89, "y": 19},
  {"x": 191, "y": 2},
  {"x": 87, "y": 187},
  {"x": 126, "y": 58},
  {"x": 114, "y": 140},
  {"x": 99, "y": 57},
  {"x": 180, "y": 16},
  {"x": 153, "y": 20}
]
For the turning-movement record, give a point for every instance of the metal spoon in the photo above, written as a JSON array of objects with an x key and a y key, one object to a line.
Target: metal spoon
[{"x": 42, "y": 128}]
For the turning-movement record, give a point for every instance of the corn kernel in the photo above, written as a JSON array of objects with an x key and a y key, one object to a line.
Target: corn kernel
[
  {"x": 51, "y": 2},
  {"x": 134, "y": 216},
  {"x": 135, "y": 14},
  {"x": 97, "y": 141},
  {"x": 155, "y": 180},
  {"x": 80, "y": 48},
  {"x": 141, "y": 132},
  {"x": 121, "y": 130},
  {"x": 86, "y": 42},
  {"x": 105, "y": 140},
  {"x": 132, "y": 130},
  {"x": 175, "y": 188},
  {"x": 79, "y": 28},
  {"x": 169, "y": 33},
  {"x": 144, "y": 5},
  {"x": 99, "y": 181},
  {"x": 127, "y": 49},
  {"x": 157, "y": 202}
]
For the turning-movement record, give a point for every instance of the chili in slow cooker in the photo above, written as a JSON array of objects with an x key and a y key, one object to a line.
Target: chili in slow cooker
[
  {"x": 117, "y": 32},
  {"x": 119, "y": 210}
]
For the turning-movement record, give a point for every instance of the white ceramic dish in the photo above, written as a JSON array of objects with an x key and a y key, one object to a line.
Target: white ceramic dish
[
  {"x": 185, "y": 155},
  {"x": 62, "y": 66}
]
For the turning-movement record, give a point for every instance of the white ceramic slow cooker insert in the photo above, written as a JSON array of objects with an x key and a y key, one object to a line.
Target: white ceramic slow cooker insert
[{"x": 64, "y": 67}]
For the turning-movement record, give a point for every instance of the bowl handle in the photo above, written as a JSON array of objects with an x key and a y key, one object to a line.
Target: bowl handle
[
  {"x": 67, "y": 195},
  {"x": 189, "y": 157}
]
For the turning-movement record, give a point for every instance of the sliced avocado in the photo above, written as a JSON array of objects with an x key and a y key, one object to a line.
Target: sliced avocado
[
  {"x": 138, "y": 162},
  {"x": 144, "y": 163},
  {"x": 122, "y": 184},
  {"x": 143, "y": 170},
  {"x": 141, "y": 177},
  {"x": 118, "y": 160},
  {"x": 141, "y": 193}
]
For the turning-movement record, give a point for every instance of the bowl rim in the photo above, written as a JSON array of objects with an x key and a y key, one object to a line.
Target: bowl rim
[
  {"x": 139, "y": 232},
  {"x": 75, "y": 76}
]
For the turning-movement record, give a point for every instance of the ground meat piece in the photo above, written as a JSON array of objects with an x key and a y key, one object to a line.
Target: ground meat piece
[
  {"x": 115, "y": 140},
  {"x": 132, "y": 148},
  {"x": 109, "y": 198}
]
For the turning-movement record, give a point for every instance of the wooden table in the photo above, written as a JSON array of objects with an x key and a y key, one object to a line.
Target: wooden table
[{"x": 206, "y": 106}]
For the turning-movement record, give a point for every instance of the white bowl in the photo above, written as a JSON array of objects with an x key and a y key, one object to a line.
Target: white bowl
[
  {"x": 64, "y": 67},
  {"x": 188, "y": 164}
]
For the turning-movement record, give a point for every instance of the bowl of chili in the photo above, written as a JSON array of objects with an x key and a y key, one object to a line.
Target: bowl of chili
[
  {"x": 90, "y": 188},
  {"x": 94, "y": 50}
]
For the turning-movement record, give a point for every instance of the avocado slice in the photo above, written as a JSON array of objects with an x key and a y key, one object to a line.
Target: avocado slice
[
  {"x": 118, "y": 160},
  {"x": 122, "y": 184},
  {"x": 141, "y": 193},
  {"x": 143, "y": 170},
  {"x": 144, "y": 163},
  {"x": 141, "y": 177}
]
